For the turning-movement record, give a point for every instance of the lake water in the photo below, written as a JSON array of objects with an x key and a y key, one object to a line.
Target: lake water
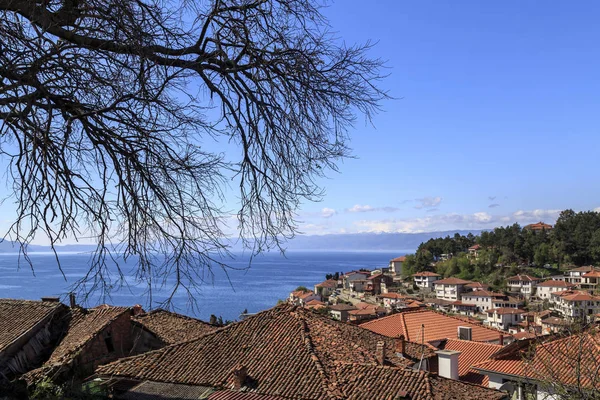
[{"x": 271, "y": 277}]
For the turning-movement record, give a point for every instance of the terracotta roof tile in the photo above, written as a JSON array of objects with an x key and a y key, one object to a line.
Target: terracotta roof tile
[
  {"x": 451, "y": 281},
  {"x": 523, "y": 278},
  {"x": 19, "y": 316},
  {"x": 83, "y": 326},
  {"x": 585, "y": 268},
  {"x": 552, "y": 283},
  {"x": 426, "y": 273},
  {"x": 474, "y": 285},
  {"x": 437, "y": 327},
  {"x": 576, "y": 295},
  {"x": 265, "y": 343},
  {"x": 171, "y": 327},
  {"x": 471, "y": 353},
  {"x": 572, "y": 360},
  {"x": 399, "y": 259},
  {"x": 329, "y": 283}
]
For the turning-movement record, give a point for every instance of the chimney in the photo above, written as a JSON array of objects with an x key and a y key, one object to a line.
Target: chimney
[
  {"x": 501, "y": 340},
  {"x": 137, "y": 309},
  {"x": 240, "y": 373},
  {"x": 72, "y": 301},
  {"x": 465, "y": 333},
  {"x": 448, "y": 363},
  {"x": 400, "y": 345},
  {"x": 380, "y": 353}
]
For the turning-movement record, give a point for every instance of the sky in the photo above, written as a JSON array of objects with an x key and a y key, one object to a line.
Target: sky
[{"x": 494, "y": 118}]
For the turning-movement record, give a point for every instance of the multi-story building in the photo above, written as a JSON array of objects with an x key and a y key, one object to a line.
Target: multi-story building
[
  {"x": 483, "y": 300},
  {"x": 545, "y": 289},
  {"x": 396, "y": 265},
  {"x": 450, "y": 288},
  {"x": 355, "y": 280},
  {"x": 591, "y": 280},
  {"x": 425, "y": 279},
  {"x": 575, "y": 275},
  {"x": 522, "y": 284},
  {"x": 504, "y": 318},
  {"x": 575, "y": 304}
]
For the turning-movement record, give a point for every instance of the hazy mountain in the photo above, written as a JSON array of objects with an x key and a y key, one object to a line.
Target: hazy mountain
[
  {"x": 368, "y": 241},
  {"x": 401, "y": 242}
]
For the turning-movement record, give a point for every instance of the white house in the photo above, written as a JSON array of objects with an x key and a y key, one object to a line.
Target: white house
[
  {"x": 575, "y": 275},
  {"x": 326, "y": 288},
  {"x": 394, "y": 300},
  {"x": 354, "y": 276},
  {"x": 425, "y": 279},
  {"x": 504, "y": 318},
  {"x": 545, "y": 289},
  {"x": 591, "y": 280},
  {"x": 300, "y": 297},
  {"x": 396, "y": 265},
  {"x": 575, "y": 304},
  {"x": 475, "y": 286},
  {"x": 450, "y": 288},
  {"x": 483, "y": 300},
  {"x": 523, "y": 284}
]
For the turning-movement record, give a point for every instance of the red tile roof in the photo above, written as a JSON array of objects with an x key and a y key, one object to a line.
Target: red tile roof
[
  {"x": 572, "y": 360},
  {"x": 265, "y": 344},
  {"x": 19, "y": 316},
  {"x": 523, "y": 278},
  {"x": 437, "y": 327},
  {"x": 576, "y": 295},
  {"x": 471, "y": 353},
  {"x": 233, "y": 395},
  {"x": 552, "y": 283},
  {"x": 451, "y": 281},
  {"x": 83, "y": 326},
  {"x": 474, "y": 247},
  {"x": 399, "y": 259},
  {"x": 426, "y": 273},
  {"x": 329, "y": 283},
  {"x": 583, "y": 269},
  {"x": 474, "y": 285},
  {"x": 483, "y": 293},
  {"x": 393, "y": 296},
  {"x": 592, "y": 274},
  {"x": 538, "y": 226},
  {"x": 342, "y": 307},
  {"x": 171, "y": 327}
]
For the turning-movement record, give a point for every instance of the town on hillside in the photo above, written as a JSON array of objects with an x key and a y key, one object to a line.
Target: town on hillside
[
  {"x": 389, "y": 333},
  {"x": 475, "y": 318}
]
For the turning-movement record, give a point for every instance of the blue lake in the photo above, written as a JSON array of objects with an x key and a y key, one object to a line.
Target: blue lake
[{"x": 270, "y": 277}]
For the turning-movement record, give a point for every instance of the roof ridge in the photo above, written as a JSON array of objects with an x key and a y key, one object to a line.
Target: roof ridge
[
  {"x": 404, "y": 330},
  {"x": 309, "y": 346}
]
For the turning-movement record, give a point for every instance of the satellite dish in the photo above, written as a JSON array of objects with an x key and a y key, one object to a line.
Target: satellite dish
[{"x": 508, "y": 387}]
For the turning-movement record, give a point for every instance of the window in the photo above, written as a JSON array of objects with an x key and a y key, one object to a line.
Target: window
[{"x": 110, "y": 346}]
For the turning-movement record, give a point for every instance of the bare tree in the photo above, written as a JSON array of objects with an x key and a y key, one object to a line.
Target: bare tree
[
  {"x": 565, "y": 366},
  {"x": 111, "y": 114}
]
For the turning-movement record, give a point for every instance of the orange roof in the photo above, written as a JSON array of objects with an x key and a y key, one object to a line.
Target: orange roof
[
  {"x": 592, "y": 274},
  {"x": 474, "y": 247},
  {"x": 538, "y": 226},
  {"x": 506, "y": 311},
  {"x": 473, "y": 285},
  {"x": 329, "y": 283},
  {"x": 572, "y": 360},
  {"x": 393, "y": 296},
  {"x": 451, "y": 281},
  {"x": 583, "y": 269},
  {"x": 483, "y": 293},
  {"x": 523, "y": 278},
  {"x": 437, "y": 326},
  {"x": 426, "y": 273},
  {"x": 399, "y": 259},
  {"x": 575, "y": 295},
  {"x": 471, "y": 353},
  {"x": 552, "y": 283}
]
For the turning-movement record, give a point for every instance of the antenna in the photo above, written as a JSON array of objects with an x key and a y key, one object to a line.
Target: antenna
[{"x": 422, "y": 342}]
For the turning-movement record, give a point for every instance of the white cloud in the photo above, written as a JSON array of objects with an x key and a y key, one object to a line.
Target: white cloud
[
  {"x": 328, "y": 212},
  {"x": 428, "y": 202},
  {"x": 358, "y": 208}
]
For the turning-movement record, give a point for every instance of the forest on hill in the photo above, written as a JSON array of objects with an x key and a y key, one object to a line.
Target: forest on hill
[{"x": 574, "y": 240}]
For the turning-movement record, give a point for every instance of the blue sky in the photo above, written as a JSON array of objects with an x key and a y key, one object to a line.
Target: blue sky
[{"x": 495, "y": 119}]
